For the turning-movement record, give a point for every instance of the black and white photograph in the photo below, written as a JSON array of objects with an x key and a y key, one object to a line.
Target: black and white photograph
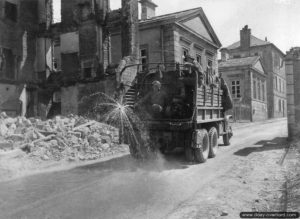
[{"x": 149, "y": 109}]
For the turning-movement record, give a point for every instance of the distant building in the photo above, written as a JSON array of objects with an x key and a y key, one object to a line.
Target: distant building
[
  {"x": 246, "y": 79},
  {"x": 273, "y": 61},
  {"x": 292, "y": 65},
  {"x": 167, "y": 38}
]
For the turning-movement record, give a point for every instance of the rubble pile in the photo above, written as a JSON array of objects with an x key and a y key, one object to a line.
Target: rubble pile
[{"x": 62, "y": 138}]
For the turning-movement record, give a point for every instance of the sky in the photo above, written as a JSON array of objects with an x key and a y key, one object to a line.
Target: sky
[{"x": 278, "y": 20}]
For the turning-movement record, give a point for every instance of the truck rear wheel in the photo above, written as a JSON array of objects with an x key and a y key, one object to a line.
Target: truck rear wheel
[
  {"x": 202, "y": 148},
  {"x": 213, "y": 142}
]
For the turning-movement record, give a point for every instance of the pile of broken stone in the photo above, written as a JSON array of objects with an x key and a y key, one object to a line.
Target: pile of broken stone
[{"x": 61, "y": 138}]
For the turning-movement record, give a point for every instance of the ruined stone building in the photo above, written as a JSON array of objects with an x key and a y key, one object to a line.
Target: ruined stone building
[
  {"x": 25, "y": 54},
  {"x": 292, "y": 65},
  {"x": 168, "y": 37},
  {"x": 81, "y": 51},
  {"x": 247, "y": 80},
  {"x": 46, "y": 69},
  {"x": 273, "y": 62}
]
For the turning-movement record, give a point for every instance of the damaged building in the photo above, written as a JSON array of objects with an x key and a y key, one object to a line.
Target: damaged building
[
  {"x": 82, "y": 50},
  {"x": 52, "y": 66},
  {"x": 25, "y": 54},
  {"x": 42, "y": 64}
]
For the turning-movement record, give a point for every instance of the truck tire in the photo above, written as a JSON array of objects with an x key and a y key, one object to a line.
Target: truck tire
[
  {"x": 213, "y": 142},
  {"x": 226, "y": 139},
  {"x": 201, "y": 153}
]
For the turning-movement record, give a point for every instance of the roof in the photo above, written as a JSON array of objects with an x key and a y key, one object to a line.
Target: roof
[
  {"x": 115, "y": 16},
  {"x": 174, "y": 15},
  {"x": 254, "y": 41},
  {"x": 239, "y": 62},
  {"x": 178, "y": 17},
  {"x": 114, "y": 22}
]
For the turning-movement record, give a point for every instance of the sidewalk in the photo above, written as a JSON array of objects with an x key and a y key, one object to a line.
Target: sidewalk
[
  {"x": 292, "y": 185},
  {"x": 243, "y": 124}
]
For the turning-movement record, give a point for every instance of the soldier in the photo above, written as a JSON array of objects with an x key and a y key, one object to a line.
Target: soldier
[{"x": 155, "y": 99}]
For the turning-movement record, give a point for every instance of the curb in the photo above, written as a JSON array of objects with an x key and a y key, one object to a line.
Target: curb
[
  {"x": 67, "y": 165},
  {"x": 243, "y": 125}
]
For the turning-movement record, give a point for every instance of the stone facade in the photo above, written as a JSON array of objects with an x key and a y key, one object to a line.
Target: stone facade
[
  {"x": 246, "y": 79},
  {"x": 273, "y": 61},
  {"x": 292, "y": 64},
  {"x": 166, "y": 38}
]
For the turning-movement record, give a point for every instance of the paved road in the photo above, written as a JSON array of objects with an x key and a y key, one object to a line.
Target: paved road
[{"x": 121, "y": 188}]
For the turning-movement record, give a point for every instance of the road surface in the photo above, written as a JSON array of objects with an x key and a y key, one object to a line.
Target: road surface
[{"x": 121, "y": 188}]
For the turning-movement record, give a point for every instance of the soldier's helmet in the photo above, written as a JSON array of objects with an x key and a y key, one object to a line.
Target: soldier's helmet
[
  {"x": 156, "y": 108},
  {"x": 156, "y": 84}
]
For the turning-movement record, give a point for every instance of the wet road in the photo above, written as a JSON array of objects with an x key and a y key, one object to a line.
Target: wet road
[{"x": 121, "y": 188}]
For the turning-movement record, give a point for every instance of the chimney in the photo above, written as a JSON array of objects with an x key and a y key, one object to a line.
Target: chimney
[
  {"x": 224, "y": 55},
  {"x": 148, "y": 9},
  {"x": 266, "y": 39},
  {"x": 245, "y": 35}
]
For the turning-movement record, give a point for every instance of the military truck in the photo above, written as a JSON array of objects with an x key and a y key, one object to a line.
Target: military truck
[{"x": 193, "y": 115}]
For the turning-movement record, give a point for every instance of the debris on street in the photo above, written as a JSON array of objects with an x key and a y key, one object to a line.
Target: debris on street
[{"x": 62, "y": 138}]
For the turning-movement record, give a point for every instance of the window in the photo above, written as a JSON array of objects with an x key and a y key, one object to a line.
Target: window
[
  {"x": 87, "y": 72},
  {"x": 263, "y": 91},
  {"x": 57, "y": 41},
  {"x": 279, "y": 84},
  {"x": 258, "y": 90},
  {"x": 256, "y": 54},
  {"x": 254, "y": 89},
  {"x": 11, "y": 11},
  {"x": 70, "y": 64},
  {"x": 279, "y": 105},
  {"x": 88, "y": 69},
  {"x": 199, "y": 58},
  {"x": 236, "y": 56},
  {"x": 276, "y": 60},
  {"x": 236, "y": 89},
  {"x": 276, "y": 84},
  {"x": 56, "y": 97},
  {"x": 144, "y": 58},
  {"x": 55, "y": 64},
  {"x": 209, "y": 62},
  {"x": 185, "y": 52},
  {"x": 7, "y": 64}
]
